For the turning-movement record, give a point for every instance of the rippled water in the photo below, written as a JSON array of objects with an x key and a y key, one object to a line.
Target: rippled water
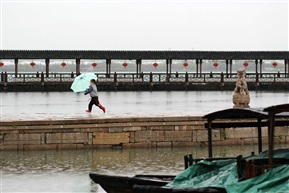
[
  {"x": 59, "y": 105},
  {"x": 67, "y": 170}
]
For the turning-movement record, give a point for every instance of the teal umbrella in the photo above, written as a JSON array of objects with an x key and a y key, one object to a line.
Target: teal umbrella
[{"x": 81, "y": 82}]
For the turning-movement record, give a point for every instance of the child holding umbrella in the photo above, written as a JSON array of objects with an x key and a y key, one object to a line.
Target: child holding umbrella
[{"x": 92, "y": 90}]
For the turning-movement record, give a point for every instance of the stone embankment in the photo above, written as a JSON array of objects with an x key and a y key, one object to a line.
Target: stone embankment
[{"x": 123, "y": 133}]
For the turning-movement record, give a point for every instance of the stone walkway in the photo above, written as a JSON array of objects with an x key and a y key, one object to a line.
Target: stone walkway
[{"x": 83, "y": 115}]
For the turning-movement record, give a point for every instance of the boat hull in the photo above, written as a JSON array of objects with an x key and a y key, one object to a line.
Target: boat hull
[
  {"x": 124, "y": 184},
  {"x": 164, "y": 189}
]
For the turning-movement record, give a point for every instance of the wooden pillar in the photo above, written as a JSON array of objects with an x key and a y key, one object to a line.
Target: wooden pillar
[
  {"x": 77, "y": 67},
  {"x": 288, "y": 67},
  {"x": 108, "y": 68},
  {"x": 210, "y": 148},
  {"x": 171, "y": 62},
  {"x": 47, "y": 61},
  {"x": 16, "y": 67},
  {"x": 271, "y": 137},
  {"x": 261, "y": 68},
  {"x": 285, "y": 64},
  {"x": 201, "y": 62},
  {"x": 138, "y": 67},
  {"x": 167, "y": 70},
  {"x": 259, "y": 135},
  {"x": 231, "y": 63},
  {"x": 167, "y": 66},
  {"x": 227, "y": 65},
  {"x": 197, "y": 68},
  {"x": 256, "y": 63}
]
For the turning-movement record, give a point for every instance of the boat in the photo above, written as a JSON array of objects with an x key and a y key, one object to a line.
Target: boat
[
  {"x": 259, "y": 169},
  {"x": 124, "y": 184}
]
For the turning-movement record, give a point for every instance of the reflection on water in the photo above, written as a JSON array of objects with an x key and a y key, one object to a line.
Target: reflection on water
[
  {"x": 67, "y": 170},
  {"x": 57, "y": 105}
]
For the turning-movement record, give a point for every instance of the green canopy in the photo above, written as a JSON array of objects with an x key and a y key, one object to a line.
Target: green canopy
[{"x": 223, "y": 174}]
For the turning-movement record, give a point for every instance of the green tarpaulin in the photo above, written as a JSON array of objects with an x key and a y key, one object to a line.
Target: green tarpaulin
[{"x": 223, "y": 174}]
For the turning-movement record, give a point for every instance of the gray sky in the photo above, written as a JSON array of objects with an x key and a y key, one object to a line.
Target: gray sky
[{"x": 145, "y": 25}]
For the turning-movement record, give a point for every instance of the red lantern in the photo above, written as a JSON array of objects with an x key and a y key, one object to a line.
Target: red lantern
[
  {"x": 125, "y": 64},
  {"x": 94, "y": 64},
  {"x": 216, "y": 64},
  {"x": 275, "y": 64},
  {"x": 185, "y": 64},
  {"x": 1, "y": 64},
  {"x": 155, "y": 64},
  {"x": 63, "y": 64},
  {"x": 246, "y": 64},
  {"x": 32, "y": 64}
]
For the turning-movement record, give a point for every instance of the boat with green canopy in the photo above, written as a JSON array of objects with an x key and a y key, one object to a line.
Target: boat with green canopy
[{"x": 266, "y": 172}]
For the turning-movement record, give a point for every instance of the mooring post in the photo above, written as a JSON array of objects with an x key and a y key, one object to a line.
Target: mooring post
[
  {"x": 115, "y": 77},
  {"x": 42, "y": 77},
  {"x": 5, "y": 77},
  {"x": 187, "y": 77},
  {"x": 16, "y": 67},
  {"x": 47, "y": 61},
  {"x": 257, "y": 78},
  {"x": 186, "y": 161},
  {"x": 222, "y": 78},
  {"x": 151, "y": 77}
]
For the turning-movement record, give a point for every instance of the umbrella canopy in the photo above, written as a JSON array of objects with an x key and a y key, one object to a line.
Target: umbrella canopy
[{"x": 81, "y": 82}]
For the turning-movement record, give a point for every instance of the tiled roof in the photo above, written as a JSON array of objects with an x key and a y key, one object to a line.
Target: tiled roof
[{"x": 127, "y": 54}]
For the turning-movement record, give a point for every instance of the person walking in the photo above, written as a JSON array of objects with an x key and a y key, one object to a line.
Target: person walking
[{"x": 92, "y": 90}]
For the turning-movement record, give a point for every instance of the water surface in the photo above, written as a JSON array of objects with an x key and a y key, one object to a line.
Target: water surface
[
  {"x": 66, "y": 105},
  {"x": 67, "y": 170}
]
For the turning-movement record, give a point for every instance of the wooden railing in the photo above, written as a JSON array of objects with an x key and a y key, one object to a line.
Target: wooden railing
[{"x": 146, "y": 77}]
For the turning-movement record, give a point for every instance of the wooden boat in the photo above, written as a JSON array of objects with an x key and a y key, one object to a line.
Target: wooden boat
[
  {"x": 255, "y": 117},
  {"x": 124, "y": 184}
]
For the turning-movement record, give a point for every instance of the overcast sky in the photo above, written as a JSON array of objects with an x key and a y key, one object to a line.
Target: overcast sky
[{"x": 145, "y": 25}]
